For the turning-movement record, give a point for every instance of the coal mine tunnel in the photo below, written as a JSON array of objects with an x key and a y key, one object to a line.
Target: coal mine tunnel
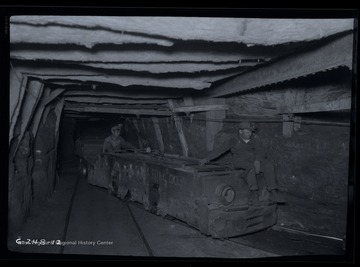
[{"x": 181, "y": 137}]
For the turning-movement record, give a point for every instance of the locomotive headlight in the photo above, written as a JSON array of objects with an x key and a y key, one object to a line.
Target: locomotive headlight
[{"x": 226, "y": 193}]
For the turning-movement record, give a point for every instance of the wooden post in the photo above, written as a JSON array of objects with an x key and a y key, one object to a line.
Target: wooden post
[
  {"x": 297, "y": 123},
  {"x": 179, "y": 128},
  {"x": 135, "y": 122},
  {"x": 17, "y": 92},
  {"x": 29, "y": 105},
  {"x": 188, "y": 101},
  {"x": 213, "y": 127},
  {"x": 288, "y": 126},
  {"x": 158, "y": 133}
]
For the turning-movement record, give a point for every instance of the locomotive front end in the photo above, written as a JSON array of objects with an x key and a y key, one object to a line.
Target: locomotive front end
[{"x": 223, "y": 205}]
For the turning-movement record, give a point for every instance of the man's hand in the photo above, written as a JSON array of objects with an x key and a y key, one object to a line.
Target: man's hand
[
  {"x": 257, "y": 166},
  {"x": 202, "y": 162}
]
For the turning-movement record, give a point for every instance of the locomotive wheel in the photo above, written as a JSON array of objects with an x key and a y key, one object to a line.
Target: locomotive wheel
[
  {"x": 122, "y": 192},
  {"x": 83, "y": 169}
]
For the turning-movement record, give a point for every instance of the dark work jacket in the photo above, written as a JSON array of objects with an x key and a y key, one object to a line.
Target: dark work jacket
[
  {"x": 243, "y": 154},
  {"x": 111, "y": 145}
]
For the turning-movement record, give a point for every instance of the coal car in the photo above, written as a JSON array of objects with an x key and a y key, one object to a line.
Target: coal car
[{"x": 212, "y": 198}]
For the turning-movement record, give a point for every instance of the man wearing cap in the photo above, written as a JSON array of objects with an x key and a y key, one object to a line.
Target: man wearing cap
[
  {"x": 115, "y": 142},
  {"x": 248, "y": 154}
]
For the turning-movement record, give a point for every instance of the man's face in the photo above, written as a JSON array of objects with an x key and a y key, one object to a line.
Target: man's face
[
  {"x": 245, "y": 133},
  {"x": 116, "y": 133}
]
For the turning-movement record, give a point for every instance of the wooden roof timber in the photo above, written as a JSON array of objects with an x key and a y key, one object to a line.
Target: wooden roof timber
[
  {"x": 126, "y": 81},
  {"x": 154, "y": 68},
  {"x": 79, "y": 36},
  {"x": 132, "y": 94},
  {"x": 137, "y": 112},
  {"x": 171, "y": 67},
  {"x": 197, "y": 82},
  {"x": 112, "y": 100},
  {"x": 131, "y": 56},
  {"x": 241, "y": 30},
  {"x": 138, "y": 105},
  {"x": 323, "y": 57}
]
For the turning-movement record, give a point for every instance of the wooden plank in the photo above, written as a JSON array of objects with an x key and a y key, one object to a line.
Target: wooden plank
[
  {"x": 197, "y": 83},
  {"x": 214, "y": 122},
  {"x": 76, "y": 73},
  {"x": 58, "y": 111},
  {"x": 59, "y": 106},
  {"x": 287, "y": 126},
  {"x": 120, "y": 106},
  {"x": 333, "y": 54},
  {"x": 119, "y": 111},
  {"x": 53, "y": 95},
  {"x": 39, "y": 112},
  {"x": 182, "y": 67},
  {"x": 17, "y": 92},
  {"x": 200, "y": 108},
  {"x": 131, "y": 57},
  {"x": 32, "y": 97},
  {"x": 282, "y": 100},
  {"x": 262, "y": 31},
  {"x": 335, "y": 105},
  {"x": 158, "y": 134},
  {"x": 46, "y": 112},
  {"x": 178, "y": 125},
  {"x": 138, "y": 133},
  {"x": 24, "y": 33},
  {"x": 131, "y": 95},
  {"x": 112, "y": 100},
  {"x": 189, "y": 101}
]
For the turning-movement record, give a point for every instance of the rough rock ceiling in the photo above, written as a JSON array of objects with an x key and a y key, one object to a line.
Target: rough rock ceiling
[
  {"x": 167, "y": 52},
  {"x": 94, "y": 58}
]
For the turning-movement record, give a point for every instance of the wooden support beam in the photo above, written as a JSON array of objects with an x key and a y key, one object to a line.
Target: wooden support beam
[
  {"x": 53, "y": 95},
  {"x": 214, "y": 121},
  {"x": 200, "y": 108},
  {"x": 132, "y": 57},
  {"x": 137, "y": 112},
  {"x": 189, "y": 101},
  {"x": 158, "y": 134},
  {"x": 335, "y": 105},
  {"x": 138, "y": 133},
  {"x": 120, "y": 106},
  {"x": 288, "y": 126},
  {"x": 16, "y": 96},
  {"x": 197, "y": 83},
  {"x": 39, "y": 112},
  {"x": 297, "y": 123},
  {"x": 61, "y": 72},
  {"x": 173, "y": 67},
  {"x": 323, "y": 57},
  {"x": 32, "y": 97},
  {"x": 55, "y": 34},
  {"x": 113, "y": 100},
  {"x": 179, "y": 128},
  {"x": 131, "y": 94}
]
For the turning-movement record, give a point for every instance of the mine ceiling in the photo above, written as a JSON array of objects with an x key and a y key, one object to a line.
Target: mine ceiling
[{"x": 109, "y": 64}]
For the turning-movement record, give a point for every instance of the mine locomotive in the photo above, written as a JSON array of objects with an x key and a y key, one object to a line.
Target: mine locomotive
[{"x": 212, "y": 198}]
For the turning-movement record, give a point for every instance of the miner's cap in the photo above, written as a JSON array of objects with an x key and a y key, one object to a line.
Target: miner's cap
[
  {"x": 116, "y": 127},
  {"x": 245, "y": 125}
]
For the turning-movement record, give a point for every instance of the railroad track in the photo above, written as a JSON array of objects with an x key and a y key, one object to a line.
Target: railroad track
[
  {"x": 183, "y": 224},
  {"x": 146, "y": 237}
]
